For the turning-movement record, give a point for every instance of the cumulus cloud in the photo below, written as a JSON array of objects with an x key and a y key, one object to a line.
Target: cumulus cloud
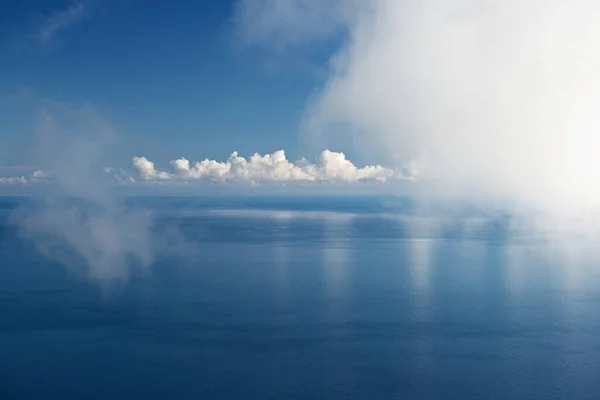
[
  {"x": 146, "y": 169},
  {"x": 35, "y": 177},
  {"x": 335, "y": 166},
  {"x": 275, "y": 167},
  {"x": 39, "y": 174},
  {"x": 495, "y": 99}
]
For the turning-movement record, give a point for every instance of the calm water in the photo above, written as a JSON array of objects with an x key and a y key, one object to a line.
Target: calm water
[{"x": 307, "y": 305}]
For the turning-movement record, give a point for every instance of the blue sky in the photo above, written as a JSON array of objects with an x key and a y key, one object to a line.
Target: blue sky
[
  {"x": 494, "y": 100},
  {"x": 173, "y": 78}
]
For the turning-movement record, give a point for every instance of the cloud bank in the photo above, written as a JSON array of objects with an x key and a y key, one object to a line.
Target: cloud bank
[
  {"x": 494, "y": 99},
  {"x": 330, "y": 167},
  {"x": 35, "y": 177},
  {"x": 275, "y": 167},
  {"x": 13, "y": 180}
]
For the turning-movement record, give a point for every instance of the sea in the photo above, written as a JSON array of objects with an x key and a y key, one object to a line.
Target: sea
[{"x": 305, "y": 298}]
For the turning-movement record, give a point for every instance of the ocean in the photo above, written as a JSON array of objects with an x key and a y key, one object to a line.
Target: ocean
[{"x": 305, "y": 298}]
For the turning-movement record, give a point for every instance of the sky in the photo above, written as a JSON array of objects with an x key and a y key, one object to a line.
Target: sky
[
  {"x": 493, "y": 103},
  {"x": 472, "y": 98},
  {"x": 489, "y": 102},
  {"x": 173, "y": 80}
]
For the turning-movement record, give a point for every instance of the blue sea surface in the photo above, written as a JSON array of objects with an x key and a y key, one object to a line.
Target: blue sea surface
[{"x": 306, "y": 299}]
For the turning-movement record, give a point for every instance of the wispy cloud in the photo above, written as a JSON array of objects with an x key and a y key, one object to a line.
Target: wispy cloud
[
  {"x": 82, "y": 222},
  {"x": 63, "y": 19},
  {"x": 286, "y": 23}
]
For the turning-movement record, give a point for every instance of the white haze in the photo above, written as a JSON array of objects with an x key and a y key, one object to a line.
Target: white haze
[
  {"x": 83, "y": 224},
  {"x": 495, "y": 100}
]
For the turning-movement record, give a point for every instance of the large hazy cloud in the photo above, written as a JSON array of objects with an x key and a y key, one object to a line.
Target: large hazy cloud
[
  {"x": 275, "y": 167},
  {"x": 81, "y": 222},
  {"x": 497, "y": 99}
]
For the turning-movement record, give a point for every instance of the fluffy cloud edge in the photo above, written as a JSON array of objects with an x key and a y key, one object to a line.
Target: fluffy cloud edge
[
  {"x": 275, "y": 167},
  {"x": 268, "y": 169}
]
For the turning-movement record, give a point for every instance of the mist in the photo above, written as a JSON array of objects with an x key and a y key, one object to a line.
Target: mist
[
  {"x": 490, "y": 100},
  {"x": 81, "y": 222}
]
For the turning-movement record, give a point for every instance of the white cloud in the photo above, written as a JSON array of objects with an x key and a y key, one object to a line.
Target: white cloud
[
  {"x": 39, "y": 175},
  {"x": 146, "y": 169},
  {"x": 63, "y": 19},
  {"x": 82, "y": 222},
  {"x": 496, "y": 99},
  {"x": 335, "y": 166},
  {"x": 14, "y": 180},
  {"x": 273, "y": 167},
  {"x": 35, "y": 177}
]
